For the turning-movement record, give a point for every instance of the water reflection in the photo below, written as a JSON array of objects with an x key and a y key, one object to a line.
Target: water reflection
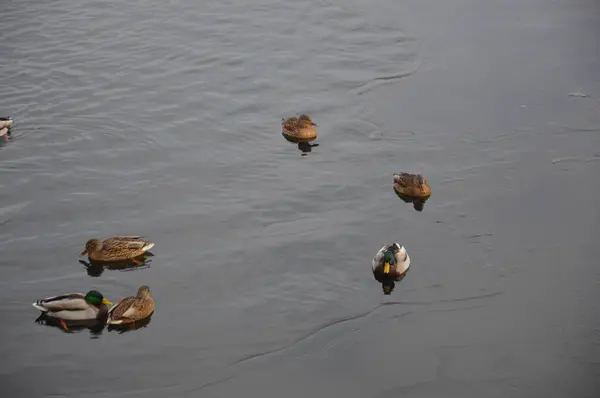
[
  {"x": 304, "y": 146},
  {"x": 5, "y": 137},
  {"x": 96, "y": 268},
  {"x": 95, "y": 326},
  {"x": 418, "y": 203},
  {"x": 129, "y": 327}
]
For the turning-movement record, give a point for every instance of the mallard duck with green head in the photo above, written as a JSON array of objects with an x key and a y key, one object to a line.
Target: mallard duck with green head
[
  {"x": 74, "y": 307},
  {"x": 117, "y": 248},
  {"x": 133, "y": 308},
  {"x": 390, "y": 265},
  {"x": 300, "y": 128}
]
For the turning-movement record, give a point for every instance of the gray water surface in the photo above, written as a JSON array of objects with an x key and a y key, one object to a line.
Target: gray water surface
[{"x": 162, "y": 118}]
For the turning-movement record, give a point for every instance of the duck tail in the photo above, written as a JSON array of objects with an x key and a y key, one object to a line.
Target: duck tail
[
  {"x": 148, "y": 246},
  {"x": 39, "y": 307}
]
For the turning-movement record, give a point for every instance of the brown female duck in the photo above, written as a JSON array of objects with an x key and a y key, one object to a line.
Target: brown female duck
[
  {"x": 117, "y": 248},
  {"x": 300, "y": 128},
  {"x": 411, "y": 185},
  {"x": 133, "y": 308}
]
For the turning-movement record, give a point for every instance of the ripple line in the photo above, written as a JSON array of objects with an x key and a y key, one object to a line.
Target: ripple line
[
  {"x": 355, "y": 317},
  {"x": 306, "y": 336},
  {"x": 376, "y": 82}
]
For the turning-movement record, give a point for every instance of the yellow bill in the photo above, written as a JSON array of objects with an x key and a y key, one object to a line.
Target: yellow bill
[
  {"x": 386, "y": 268},
  {"x": 106, "y": 302}
]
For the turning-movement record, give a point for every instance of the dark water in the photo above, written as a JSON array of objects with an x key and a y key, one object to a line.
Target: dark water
[{"x": 162, "y": 118}]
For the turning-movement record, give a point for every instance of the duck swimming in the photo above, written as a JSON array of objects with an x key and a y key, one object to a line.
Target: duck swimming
[
  {"x": 74, "y": 307},
  {"x": 390, "y": 265},
  {"x": 116, "y": 248},
  {"x": 6, "y": 122},
  {"x": 300, "y": 128},
  {"x": 5, "y": 126},
  {"x": 411, "y": 185},
  {"x": 133, "y": 308}
]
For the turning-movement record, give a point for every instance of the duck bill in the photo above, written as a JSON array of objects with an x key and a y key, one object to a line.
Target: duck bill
[
  {"x": 386, "y": 268},
  {"x": 82, "y": 253},
  {"x": 106, "y": 302}
]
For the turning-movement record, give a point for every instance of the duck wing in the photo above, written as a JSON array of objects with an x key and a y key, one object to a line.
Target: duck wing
[
  {"x": 378, "y": 257},
  {"x": 130, "y": 309},
  {"x": 290, "y": 125},
  {"x": 124, "y": 308},
  {"x": 128, "y": 243},
  {"x": 63, "y": 302}
]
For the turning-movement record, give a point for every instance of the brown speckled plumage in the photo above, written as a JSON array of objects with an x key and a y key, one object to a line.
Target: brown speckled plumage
[
  {"x": 302, "y": 128},
  {"x": 132, "y": 308},
  {"x": 117, "y": 248},
  {"x": 413, "y": 185}
]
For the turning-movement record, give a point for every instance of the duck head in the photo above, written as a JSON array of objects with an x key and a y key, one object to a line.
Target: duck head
[
  {"x": 92, "y": 245},
  {"x": 143, "y": 292},
  {"x": 306, "y": 119},
  {"x": 94, "y": 297},
  {"x": 388, "y": 261}
]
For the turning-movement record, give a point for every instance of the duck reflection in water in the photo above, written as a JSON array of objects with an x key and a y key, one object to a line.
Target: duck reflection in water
[
  {"x": 128, "y": 327},
  {"x": 418, "y": 203},
  {"x": 95, "y": 327},
  {"x": 306, "y": 147},
  {"x": 96, "y": 268},
  {"x": 390, "y": 265}
]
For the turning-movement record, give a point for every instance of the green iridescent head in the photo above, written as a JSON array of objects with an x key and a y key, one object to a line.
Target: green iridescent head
[
  {"x": 94, "y": 297},
  {"x": 389, "y": 258}
]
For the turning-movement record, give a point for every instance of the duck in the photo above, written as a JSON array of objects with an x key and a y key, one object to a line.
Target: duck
[
  {"x": 74, "y": 307},
  {"x": 300, "y": 128},
  {"x": 6, "y": 122},
  {"x": 117, "y": 248},
  {"x": 390, "y": 265},
  {"x": 411, "y": 185},
  {"x": 132, "y": 308},
  {"x": 5, "y": 126}
]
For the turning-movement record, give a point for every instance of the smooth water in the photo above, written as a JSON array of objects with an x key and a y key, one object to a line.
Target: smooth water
[{"x": 162, "y": 118}]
